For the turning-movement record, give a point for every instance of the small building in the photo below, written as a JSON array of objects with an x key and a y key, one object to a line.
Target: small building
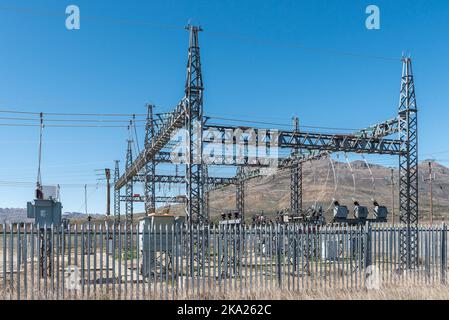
[{"x": 159, "y": 236}]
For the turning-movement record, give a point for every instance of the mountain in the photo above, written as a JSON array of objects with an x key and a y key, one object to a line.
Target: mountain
[
  {"x": 272, "y": 193},
  {"x": 15, "y": 215}
]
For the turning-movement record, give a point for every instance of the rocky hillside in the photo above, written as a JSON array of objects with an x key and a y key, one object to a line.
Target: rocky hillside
[{"x": 272, "y": 193}]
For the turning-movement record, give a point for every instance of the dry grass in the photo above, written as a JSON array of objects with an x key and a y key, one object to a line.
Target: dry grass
[
  {"x": 403, "y": 292},
  {"x": 390, "y": 292}
]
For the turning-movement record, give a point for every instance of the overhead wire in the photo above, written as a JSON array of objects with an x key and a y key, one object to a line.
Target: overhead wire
[
  {"x": 135, "y": 134},
  {"x": 278, "y": 44},
  {"x": 372, "y": 178},
  {"x": 283, "y": 124},
  {"x": 48, "y": 13},
  {"x": 334, "y": 171},
  {"x": 74, "y": 114},
  {"x": 62, "y": 126},
  {"x": 68, "y": 124},
  {"x": 69, "y": 120},
  {"x": 321, "y": 193},
  {"x": 228, "y": 35},
  {"x": 352, "y": 174}
]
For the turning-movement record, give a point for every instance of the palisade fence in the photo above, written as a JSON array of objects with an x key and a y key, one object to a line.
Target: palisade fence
[{"x": 106, "y": 261}]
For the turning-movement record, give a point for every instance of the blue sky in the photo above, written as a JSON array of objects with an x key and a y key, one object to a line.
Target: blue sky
[{"x": 129, "y": 53}]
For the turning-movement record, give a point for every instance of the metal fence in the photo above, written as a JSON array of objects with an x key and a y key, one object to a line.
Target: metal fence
[{"x": 103, "y": 261}]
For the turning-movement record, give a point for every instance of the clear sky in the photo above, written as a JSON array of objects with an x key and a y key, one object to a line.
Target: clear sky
[{"x": 264, "y": 60}]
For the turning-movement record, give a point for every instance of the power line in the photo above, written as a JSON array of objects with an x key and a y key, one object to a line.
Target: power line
[
  {"x": 140, "y": 126},
  {"x": 281, "y": 124},
  {"x": 69, "y": 120},
  {"x": 63, "y": 126},
  {"x": 32, "y": 184},
  {"x": 75, "y": 114},
  {"x": 230, "y": 36},
  {"x": 278, "y": 44},
  {"x": 48, "y": 13}
]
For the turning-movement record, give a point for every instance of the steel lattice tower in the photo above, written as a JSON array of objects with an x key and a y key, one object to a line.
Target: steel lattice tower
[
  {"x": 150, "y": 167},
  {"x": 296, "y": 177},
  {"x": 240, "y": 193},
  {"x": 194, "y": 125},
  {"x": 116, "y": 193},
  {"x": 408, "y": 168},
  {"x": 129, "y": 186},
  {"x": 206, "y": 191}
]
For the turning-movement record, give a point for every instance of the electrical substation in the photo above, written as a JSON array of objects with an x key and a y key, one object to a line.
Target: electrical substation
[
  {"x": 396, "y": 136},
  {"x": 162, "y": 254}
]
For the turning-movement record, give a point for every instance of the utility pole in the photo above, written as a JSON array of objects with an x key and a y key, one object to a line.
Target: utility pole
[
  {"x": 107, "y": 178},
  {"x": 430, "y": 181},
  {"x": 430, "y": 193},
  {"x": 39, "y": 193},
  {"x": 85, "y": 202},
  {"x": 392, "y": 193},
  {"x": 296, "y": 176},
  {"x": 116, "y": 194},
  {"x": 392, "y": 184},
  {"x": 108, "y": 191}
]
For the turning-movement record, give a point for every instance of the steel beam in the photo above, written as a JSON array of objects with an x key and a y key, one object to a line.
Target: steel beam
[
  {"x": 318, "y": 141},
  {"x": 158, "y": 199},
  {"x": 174, "y": 121},
  {"x": 194, "y": 126},
  {"x": 150, "y": 167},
  {"x": 296, "y": 174},
  {"x": 408, "y": 168},
  {"x": 129, "y": 186},
  {"x": 160, "y": 178},
  {"x": 240, "y": 193},
  {"x": 117, "y": 193}
]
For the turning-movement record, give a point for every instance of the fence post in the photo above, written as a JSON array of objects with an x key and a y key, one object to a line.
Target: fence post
[
  {"x": 279, "y": 252},
  {"x": 368, "y": 248},
  {"x": 443, "y": 253}
]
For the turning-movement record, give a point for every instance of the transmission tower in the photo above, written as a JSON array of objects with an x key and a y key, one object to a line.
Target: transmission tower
[
  {"x": 240, "y": 192},
  {"x": 296, "y": 176},
  {"x": 408, "y": 168},
  {"x": 129, "y": 187},
  {"x": 150, "y": 167},
  {"x": 116, "y": 193},
  {"x": 207, "y": 188},
  {"x": 194, "y": 125}
]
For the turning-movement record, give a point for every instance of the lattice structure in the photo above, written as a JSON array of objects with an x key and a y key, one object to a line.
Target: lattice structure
[
  {"x": 129, "y": 205},
  {"x": 240, "y": 193},
  {"x": 150, "y": 167},
  {"x": 408, "y": 168},
  {"x": 194, "y": 125},
  {"x": 207, "y": 188},
  {"x": 116, "y": 193},
  {"x": 296, "y": 177},
  {"x": 300, "y": 146}
]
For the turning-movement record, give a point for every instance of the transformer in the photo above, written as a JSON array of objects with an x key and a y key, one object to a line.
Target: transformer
[
  {"x": 329, "y": 249},
  {"x": 233, "y": 218},
  {"x": 381, "y": 213},
  {"x": 157, "y": 232},
  {"x": 46, "y": 213},
  {"x": 340, "y": 213},
  {"x": 360, "y": 212}
]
